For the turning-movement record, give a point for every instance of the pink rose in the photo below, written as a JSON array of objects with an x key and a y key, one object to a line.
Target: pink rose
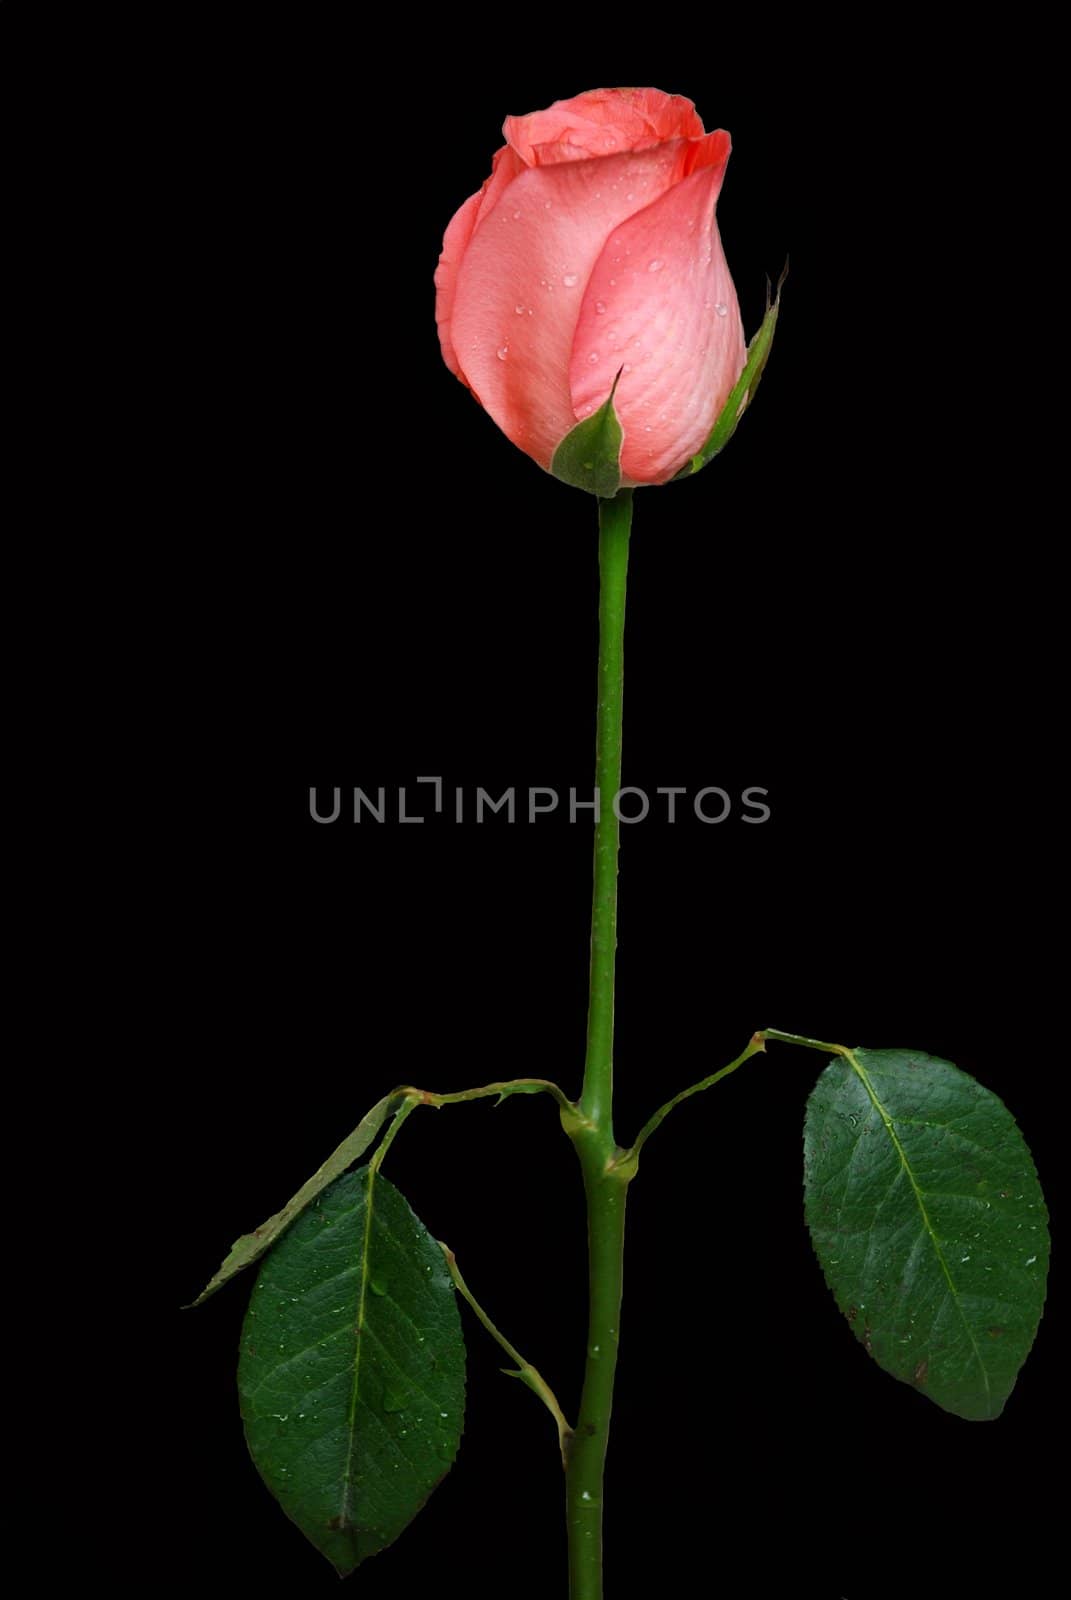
[{"x": 593, "y": 249}]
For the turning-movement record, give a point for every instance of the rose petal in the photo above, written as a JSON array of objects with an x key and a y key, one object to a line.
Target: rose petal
[
  {"x": 650, "y": 310},
  {"x": 600, "y": 122},
  {"x": 522, "y": 278},
  {"x": 504, "y": 168}
]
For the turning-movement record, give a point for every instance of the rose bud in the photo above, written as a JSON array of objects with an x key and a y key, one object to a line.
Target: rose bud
[{"x": 587, "y": 280}]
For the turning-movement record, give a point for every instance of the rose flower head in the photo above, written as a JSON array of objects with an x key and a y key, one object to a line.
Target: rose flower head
[{"x": 588, "y": 265}]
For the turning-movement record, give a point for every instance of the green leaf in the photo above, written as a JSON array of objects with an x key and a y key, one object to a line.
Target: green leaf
[
  {"x": 589, "y": 457},
  {"x": 251, "y": 1246},
  {"x": 352, "y": 1369},
  {"x": 929, "y": 1223},
  {"x": 745, "y": 388}
]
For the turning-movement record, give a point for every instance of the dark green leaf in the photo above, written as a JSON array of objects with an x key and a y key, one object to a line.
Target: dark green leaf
[
  {"x": 929, "y": 1223},
  {"x": 589, "y": 457},
  {"x": 251, "y": 1246},
  {"x": 745, "y": 388},
  {"x": 352, "y": 1369}
]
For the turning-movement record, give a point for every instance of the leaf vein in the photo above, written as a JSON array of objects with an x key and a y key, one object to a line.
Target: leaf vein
[
  {"x": 282, "y": 1365},
  {"x": 920, "y": 1198},
  {"x": 410, "y": 1383},
  {"x": 351, "y": 1419}
]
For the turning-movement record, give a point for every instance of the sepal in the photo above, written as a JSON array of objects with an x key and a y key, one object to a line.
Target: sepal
[
  {"x": 589, "y": 457},
  {"x": 745, "y": 388}
]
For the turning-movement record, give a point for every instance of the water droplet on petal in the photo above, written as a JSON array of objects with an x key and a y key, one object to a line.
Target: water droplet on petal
[
  {"x": 569, "y": 279},
  {"x": 519, "y": 310},
  {"x": 502, "y": 352},
  {"x": 656, "y": 265},
  {"x": 547, "y": 204},
  {"x": 600, "y": 308},
  {"x": 721, "y": 309},
  {"x": 593, "y": 357},
  {"x": 516, "y": 216}
]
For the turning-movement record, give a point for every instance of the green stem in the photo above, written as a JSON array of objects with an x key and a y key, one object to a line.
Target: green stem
[
  {"x": 615, "y": 522},
  {"x": 591, "y": 1128},
  {"x": 800, "y": 1038},
  {"x": 627, "y": 1160},
  {"x": 529, "y": 1375},
  {"x": 406, "y": 1109},
  {"x": 502, "y": 1090},
  {"x": 586, "y": 1450}
]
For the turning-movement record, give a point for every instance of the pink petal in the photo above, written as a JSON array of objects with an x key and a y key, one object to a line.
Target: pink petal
[
  {"x": 455, "y": 242},
  {"x": 504, "y": 168},
  {"x": 522, "y": 279},
  {"x": 601, "y": 122},
  {"x": 660, "y": 306}
]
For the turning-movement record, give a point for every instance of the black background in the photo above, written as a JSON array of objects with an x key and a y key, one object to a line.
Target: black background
[{"x": 838, "y": 610}]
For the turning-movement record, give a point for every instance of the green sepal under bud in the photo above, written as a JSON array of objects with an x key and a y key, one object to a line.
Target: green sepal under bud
[
  {"x": 589, "y": 457},
  {"x": 745, "y": 388}
]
